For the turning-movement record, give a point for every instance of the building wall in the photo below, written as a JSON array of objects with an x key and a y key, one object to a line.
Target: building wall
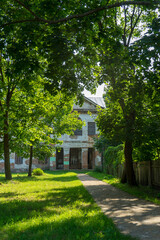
[
  {"x": 25, "y": 164},
  {"x": 84, "y": 143}
]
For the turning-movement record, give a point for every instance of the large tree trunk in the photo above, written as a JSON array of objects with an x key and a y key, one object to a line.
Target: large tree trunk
[
  {"x": 124, "y": 176},
  {"x": 30, "y": 162},
  {"x": 131, "y": 179},
  {"x": 8, "y": 174}
]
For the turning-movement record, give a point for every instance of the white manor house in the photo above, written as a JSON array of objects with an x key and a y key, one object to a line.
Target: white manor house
[{"x": 77, "y": 151}]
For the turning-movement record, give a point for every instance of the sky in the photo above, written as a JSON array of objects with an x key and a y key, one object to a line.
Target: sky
[{"x": 99, "y": 92}]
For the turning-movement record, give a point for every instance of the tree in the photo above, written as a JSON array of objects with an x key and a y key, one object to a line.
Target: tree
[
  {"x": 126, "y": 88},
  {"x": 34, "y": 26},
  {"x": 40, "y": 120},
  {"x": 148, "y": 57},
  {"x": 12, "y": 75},
  {"x": 35, "y": 12},
  {"x": 25, "y": 58}
]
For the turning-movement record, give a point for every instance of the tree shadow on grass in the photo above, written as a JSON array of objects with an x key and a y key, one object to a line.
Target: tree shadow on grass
[
  {"x": 45, "y": 178},
  {"x": 55, "y": 177},
  {"x": 8, "y": 194},
  {"x": 17, "y": 209},
  {"x": 85, "y": 227}
]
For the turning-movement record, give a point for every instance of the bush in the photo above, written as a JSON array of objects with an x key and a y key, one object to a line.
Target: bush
[
  {"x": 114, "y": 158},
  {"x": 114, "y": 155},
  {"x": 37, "y": 172},
  {"x": 98, "y": 169}
]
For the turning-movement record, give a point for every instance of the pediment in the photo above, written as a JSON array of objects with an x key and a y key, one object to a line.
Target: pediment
[{"x": 88, "y": 105}]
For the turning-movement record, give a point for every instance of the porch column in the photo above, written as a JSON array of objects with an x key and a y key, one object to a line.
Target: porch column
[
  {"x": 66, "y": 158},
  {"x": 84, "y": 158},
  {"x": 53, "y": 161}
]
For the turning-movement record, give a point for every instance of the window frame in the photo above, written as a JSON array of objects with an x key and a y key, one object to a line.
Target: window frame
[
  {"x": 91, "y": 128},
  {"x": 18, "y": 159}
]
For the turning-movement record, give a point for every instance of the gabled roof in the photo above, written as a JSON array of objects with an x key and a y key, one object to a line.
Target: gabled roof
[{"x": 96, "y": 101}]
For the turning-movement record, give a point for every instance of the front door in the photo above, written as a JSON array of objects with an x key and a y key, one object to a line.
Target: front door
[
  {"x": 59, "y": 158},
  {"x": 75, "y": 158}
]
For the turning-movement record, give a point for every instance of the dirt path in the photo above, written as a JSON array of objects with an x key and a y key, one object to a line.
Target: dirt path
[{"x": 133, "y": 216}]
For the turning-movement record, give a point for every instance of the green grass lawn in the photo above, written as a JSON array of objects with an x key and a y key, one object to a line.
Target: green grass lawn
[
  {"x": 53, "y": 206},
  {"x": 147, "y": 193}
]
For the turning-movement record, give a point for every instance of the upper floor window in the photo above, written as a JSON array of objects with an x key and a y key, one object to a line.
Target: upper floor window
[
  {"x": 78, "y": 132},
  {"x": 91, "y": 128},
  {"x": 18, "y": 159}
]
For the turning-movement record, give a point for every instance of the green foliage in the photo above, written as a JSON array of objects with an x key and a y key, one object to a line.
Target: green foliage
[
  {"x": 69, "y": 56},
  {"x": 98, "y": 169},
  {"x": 114, "y": 155},
  {"x": 145, "y": 52},
  {"x": 132, "y": 84},
  {"x": 101, "y": 143},
  {"x": 37, "y": 172}
]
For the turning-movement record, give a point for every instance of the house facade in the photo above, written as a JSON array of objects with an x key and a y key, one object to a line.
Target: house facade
[{"x": 76, "y": 152}]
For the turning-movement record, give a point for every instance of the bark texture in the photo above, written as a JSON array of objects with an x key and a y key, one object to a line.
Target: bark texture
[
  {"x": 124, "y": 176},
  {"x": 8, "y": 174},
  {"x": 30, "y": 162},
  {"x": 131, "y": 179}
]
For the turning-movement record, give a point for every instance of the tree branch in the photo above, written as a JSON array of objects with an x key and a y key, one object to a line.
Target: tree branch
[
  {"x": 125, "y": 19},
  {"x": 27, "y": 8},
  {"x": 81, "y": 15},
  {"x": 132, "y": 17},
  {"x": 133, "y": 27},
  {"x": 1, "y": 72},
  {"x": 9, "y": 95}
]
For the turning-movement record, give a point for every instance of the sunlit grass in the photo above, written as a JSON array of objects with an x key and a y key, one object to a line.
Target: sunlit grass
[
  {"x": 52, "y": 206},
  {"x": 144, "y": 192}
]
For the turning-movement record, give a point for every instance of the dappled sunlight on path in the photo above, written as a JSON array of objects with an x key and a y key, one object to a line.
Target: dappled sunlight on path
[{"x": 133, "y": 216}]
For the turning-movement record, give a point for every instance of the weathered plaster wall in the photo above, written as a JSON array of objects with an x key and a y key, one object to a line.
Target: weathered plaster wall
[
  {"x": 24, "y": 166},
  {"x": 80, "y": 141},
  {"x": 84, "y": 142}
]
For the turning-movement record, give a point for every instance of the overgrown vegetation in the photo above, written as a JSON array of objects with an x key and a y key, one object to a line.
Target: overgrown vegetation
[
  {"x": 114, "y": 156},
  {"x": 53, "y": 206},
  {"x": 37, "y": 172},
  {"x": 143, "y": 192}
]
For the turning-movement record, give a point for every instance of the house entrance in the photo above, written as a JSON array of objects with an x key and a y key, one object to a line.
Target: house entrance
[
  {"x": 90, "y": 157},
  {"x": 75, "y": 158},
  {"x": 59, "y": 159}
]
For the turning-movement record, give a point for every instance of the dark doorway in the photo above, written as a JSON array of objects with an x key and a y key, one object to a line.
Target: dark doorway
[
  {"x": 75, "y": 158},
  {"x": 59, "y": 158},
  {"x": 90, "y": 157}
]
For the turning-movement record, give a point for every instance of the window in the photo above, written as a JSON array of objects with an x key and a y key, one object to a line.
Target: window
[
  {"x": 78, "y": 132},
  {"x": 18, "y": 159},
  {"x": 91, "y": 128}
]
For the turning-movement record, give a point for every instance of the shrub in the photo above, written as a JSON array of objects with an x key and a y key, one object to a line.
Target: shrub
[
  {"x": 37, "y": 171},
  {"x": 114, "y": 155},
  {"x": 98, "y": 169}
]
